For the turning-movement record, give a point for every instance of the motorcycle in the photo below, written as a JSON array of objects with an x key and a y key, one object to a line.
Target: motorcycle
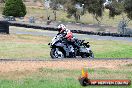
[{"x": 60, "y": 48}]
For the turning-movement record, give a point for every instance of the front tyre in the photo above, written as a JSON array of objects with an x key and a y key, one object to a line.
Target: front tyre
[
  {"x": 56, "y": 53},
  {"x": 84, "y": 55},
  {"x": 87, "y": 55},
  {"x": 91, "y": 55}
]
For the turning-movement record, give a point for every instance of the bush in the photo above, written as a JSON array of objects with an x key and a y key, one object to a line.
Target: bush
[
  {"x": 128, "y": 8},
  {"x": 14, "y": 8}
]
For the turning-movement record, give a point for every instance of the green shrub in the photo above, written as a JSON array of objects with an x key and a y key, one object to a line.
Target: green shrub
[{"x": 14, "y": 8}]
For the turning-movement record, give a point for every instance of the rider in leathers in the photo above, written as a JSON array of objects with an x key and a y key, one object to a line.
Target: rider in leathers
[{"x": 68, "y": 35}]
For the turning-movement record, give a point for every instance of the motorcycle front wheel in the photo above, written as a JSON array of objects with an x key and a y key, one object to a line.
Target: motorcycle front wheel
[
  {"x": 88, "y": 55},
  {"x": 56, "y": 53},
  {"x": 91, "y": 55}
]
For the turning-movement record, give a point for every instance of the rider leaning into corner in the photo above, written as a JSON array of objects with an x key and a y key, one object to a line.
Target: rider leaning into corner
[
  {"x": 66, "y": 45},
  {"x": 66, "y": 32},
  {"x": 68, "y": 35}
]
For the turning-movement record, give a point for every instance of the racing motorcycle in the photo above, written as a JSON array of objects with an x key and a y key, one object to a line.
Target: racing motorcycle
[{"x": 60, "y": 48}]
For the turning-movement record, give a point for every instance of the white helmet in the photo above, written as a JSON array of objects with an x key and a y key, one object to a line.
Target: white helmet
[{"x": 61, "y": 28}]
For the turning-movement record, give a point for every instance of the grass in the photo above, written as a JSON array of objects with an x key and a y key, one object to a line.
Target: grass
[
  {"x": 62, "y": 16},
  {"x": 62, "y": 78},
  {"x": 112, "y": 49},
  {"x": 23, "y": 46},
  {"x": 28, "y": 46},
  {"x": 16, "y": 50},
  {"x": 87, "y": 18}
]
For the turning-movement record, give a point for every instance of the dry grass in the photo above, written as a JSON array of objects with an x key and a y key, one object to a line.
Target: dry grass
[
  {"x": 23, "y": 46},
  {"x": 28, "y": 39},
  {"x": 18, "y": 69}
]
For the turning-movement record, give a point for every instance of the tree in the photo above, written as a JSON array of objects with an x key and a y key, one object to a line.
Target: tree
[
  {"x": 2, "y": 1},
  {"x": 119, "y": 7},
  {"x": 14, "y": 8},
  {"x": 55, "y": 6},
  {"x": 72, "y": 10},
  {"x": 128, "y": 8},
  {"x": 94, "y": 7},
  {"x": 115, "y": 8}
]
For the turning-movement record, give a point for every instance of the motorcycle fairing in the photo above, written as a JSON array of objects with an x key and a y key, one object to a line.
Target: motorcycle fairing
[
  {"x": 63, "y": 46},
  {"x": 84, "y": 50}
]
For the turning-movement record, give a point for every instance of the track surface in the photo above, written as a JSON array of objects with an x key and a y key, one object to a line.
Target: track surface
[{"x": 35, "y": 32}]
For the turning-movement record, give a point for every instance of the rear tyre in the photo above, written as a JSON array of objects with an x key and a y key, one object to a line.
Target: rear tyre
[{"x": 56, "y": 53}]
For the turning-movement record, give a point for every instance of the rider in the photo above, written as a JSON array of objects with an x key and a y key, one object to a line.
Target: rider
[{"x": 68, "y": 35}]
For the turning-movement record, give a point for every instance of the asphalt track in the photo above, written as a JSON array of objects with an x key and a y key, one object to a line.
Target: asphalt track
[{"x": 37, "y": 32}]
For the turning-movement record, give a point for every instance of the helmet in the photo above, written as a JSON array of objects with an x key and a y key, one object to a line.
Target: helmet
[{"x": 61, "y": 28}]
